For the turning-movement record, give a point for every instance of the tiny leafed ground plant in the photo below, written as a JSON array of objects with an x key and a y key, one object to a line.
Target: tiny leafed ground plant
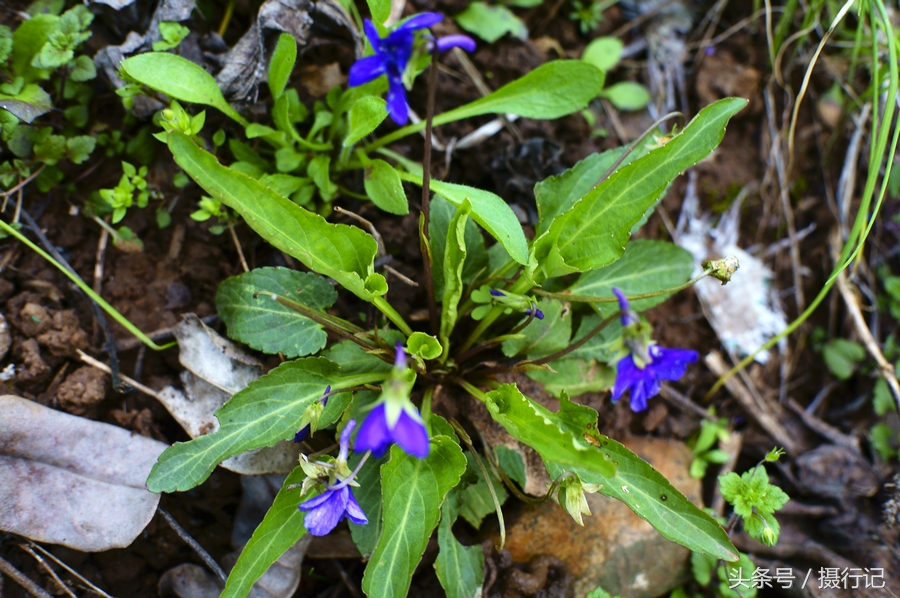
[{"x": 496, "y": 308}]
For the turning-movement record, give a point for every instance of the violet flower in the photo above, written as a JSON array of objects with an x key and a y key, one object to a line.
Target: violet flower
[
  {"x": 394, "y": 419},
  {"x": 654, "y": 363},
  {"x": 392, "y": 56},
  {"x": 643, "y": 383},
  {"x": 325, "y": 511},
  {"x": 534, "y": 310}
]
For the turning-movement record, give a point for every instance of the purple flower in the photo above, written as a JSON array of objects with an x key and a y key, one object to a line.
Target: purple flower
[
  {"x": 628, "y": 316},
  {"x": 534, "y": 310},
  {"x": 376, "y": 435},
  {"x": 665, "y": 364},
  {"x": 392, "y": 55},
  {"x": 325, "y": 511},
  {"x": 496, "y": 293}
]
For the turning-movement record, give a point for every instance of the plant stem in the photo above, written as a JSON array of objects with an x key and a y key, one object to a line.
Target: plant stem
[
  {"x": 520, "y": 287},
  {"x": 589, "y": 299},
  {"x": 424, "y": 242},
  {"x": 573, "y": 347},
  {"x": 392, "y": 315},
  {"x": 109, "y": 309},
  {"x": 472, "y": 389},
  {"x": 425, "y": 410}
]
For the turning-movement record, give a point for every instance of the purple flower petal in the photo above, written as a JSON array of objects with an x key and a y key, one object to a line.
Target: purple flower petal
[
  {"x": 354, "y": 512},
  {"x": 399, "y": 356},
  {"x": 456, "y": 41},
  {"x": 626, "y": 374},
  {"x": 496, "y": 293},
  {"x": 411, "y": 435},
  {"x": 302, "y": 435},
  {"x": 421, "y": 21},
  {"x": 628, "y": 316},
  {"x": 323, "y": 514},
  {"x": 372, "y": 34},
  {"x": 396, "y": 101},
  {"x": 644, "y": 384},
  {"x": 373, "y": 432},
  {"x": 365, "y": 70}
]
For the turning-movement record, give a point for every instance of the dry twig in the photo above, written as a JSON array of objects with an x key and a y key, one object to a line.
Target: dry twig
[
  {"x": 763, "y": 411},
  {"x": 17, "y": 576}
]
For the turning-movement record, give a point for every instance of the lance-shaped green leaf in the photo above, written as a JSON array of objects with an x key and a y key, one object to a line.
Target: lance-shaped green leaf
[
  {"x": 453, "y": 263},
  {"x": 488, "y": 209},
  {"x": 261, "y": 322},
  {"x": 179, "y": 78},
  {"x": 368, "y": 495},
  {"x": 575, "y": 376},
  {"x": 550, "y": 434},
  {"x": 280, "y": 529},
  {"x": 557, "y": 194},
  {"x": 551, "y": 90},
  {"x": 459, "y": 568},
  {"x": 384, "y": 188},
  {"x": 646, "y": 491},
  {"x": 380, "y": 9},
  {"x": 267, "y": 411},
  {"x": 646, "y": 267},
  {"x": 413, "y": 491},
  {"x": 441, "y": 213},
  {"x": 344, "y": 253},
  {"x": 593, "y": 232},
  {"x": 545, "y": 336},
  {"x": 282, "y": 63}
]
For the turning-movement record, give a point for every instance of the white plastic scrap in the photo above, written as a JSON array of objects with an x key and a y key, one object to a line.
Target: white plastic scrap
[{"x": 746, "y": 312}]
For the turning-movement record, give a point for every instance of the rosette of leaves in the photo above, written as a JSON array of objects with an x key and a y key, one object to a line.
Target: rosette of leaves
[{"x": 579, "y": 242}]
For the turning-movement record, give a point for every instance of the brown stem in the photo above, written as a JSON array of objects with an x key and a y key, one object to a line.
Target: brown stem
[
  {"x": 561, "y": 353},
  {"x": 426, "y": 196}
]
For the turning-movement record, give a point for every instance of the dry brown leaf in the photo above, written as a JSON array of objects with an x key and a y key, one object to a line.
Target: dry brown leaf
[{"x": 72, "y": 481}]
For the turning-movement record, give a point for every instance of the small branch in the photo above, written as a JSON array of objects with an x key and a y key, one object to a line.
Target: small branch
[
  {"x": 426, "y": 196},
  {"x": 72, "y": 571},
  {"x": 573, "y": 347},
  {"x": 769, "y": 421},
  {"x": 885, "y": 368},
  {"x": 48, "y": 569},
  {"x": 589, "y": 299},
  {"x": 34, "y": 175},
  {"x": 195, "y": 546},
  {"x": 237, "y": 245},
  {"x": 17, "y": 576},
  {"x": 130, "y": 381}
]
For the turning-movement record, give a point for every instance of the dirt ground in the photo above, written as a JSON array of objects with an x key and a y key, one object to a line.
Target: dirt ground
[{"x": 180, "y": 267}]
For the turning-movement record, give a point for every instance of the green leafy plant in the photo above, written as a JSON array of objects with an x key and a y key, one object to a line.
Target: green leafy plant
[
  {"x": 376, "y": 380},
  {"x": 711, "y": 432},
  {"x": 755, "y": 500}
]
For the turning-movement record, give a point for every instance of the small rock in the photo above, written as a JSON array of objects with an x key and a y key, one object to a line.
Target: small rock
[
  {"x": 33, "y": 368},
  {"x": 837, "y": 472},
  {"x": 615, "y": 549},
  {"x": 81, "y": 390}
]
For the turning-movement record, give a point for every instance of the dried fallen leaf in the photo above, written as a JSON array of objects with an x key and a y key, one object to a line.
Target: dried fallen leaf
[
  {"x": 72, "y": 481},
  {"x": 216, "y": 369}
]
